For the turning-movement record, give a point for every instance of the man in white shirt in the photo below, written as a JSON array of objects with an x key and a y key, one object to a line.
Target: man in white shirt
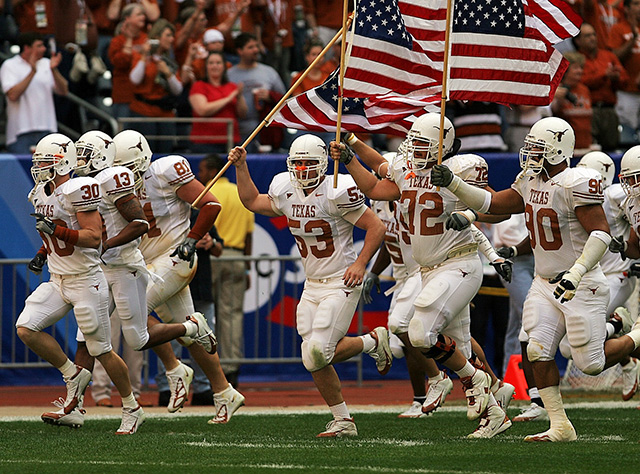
[{"x": 29, "y": 81}]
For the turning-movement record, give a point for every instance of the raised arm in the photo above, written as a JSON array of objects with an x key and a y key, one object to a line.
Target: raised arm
[{"x": 247, "y": 190}]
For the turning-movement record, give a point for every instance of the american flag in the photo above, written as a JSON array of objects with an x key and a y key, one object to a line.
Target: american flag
[
  {"x": 500, "y": 49},
  {"x": 316, "y": 110}
]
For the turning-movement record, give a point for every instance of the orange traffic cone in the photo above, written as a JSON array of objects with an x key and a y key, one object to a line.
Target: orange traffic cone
[{"x": 515, "y": 376}]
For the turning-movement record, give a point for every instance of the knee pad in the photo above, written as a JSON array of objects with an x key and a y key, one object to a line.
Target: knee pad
[
  {"x": 591, "y": 368},
  {"x": 87, "y": 320},
  {"x": 313, "y": 356},
  {"x": 565, "y": 347},
  {"x": 417, "y": 334},
  {"x": 534, "y": 350},
  {"x": 443, "y": 349},
  {"x": 97, "y": 348},
  {"x": 393, "y": 326},
  {"x": 396, "y": 346},
  {"x": 578, "y": 330}
]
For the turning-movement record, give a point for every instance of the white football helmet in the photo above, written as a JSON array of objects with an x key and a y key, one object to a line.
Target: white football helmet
[
  {"x": 630, "y": 171},
  {"x": 312, "y": 148},
  {"x": 551, "y": 139},
  {"x": 133, "y": 151},
  {"x": 426, "y": 131},
  {"x": 602, "y": 163},
  {"x": 96, "y": 151},
  {"x": 55, "y": 154}
]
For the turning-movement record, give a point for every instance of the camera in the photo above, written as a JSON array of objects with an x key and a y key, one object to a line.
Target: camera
[{"x": 153, "y": 45}]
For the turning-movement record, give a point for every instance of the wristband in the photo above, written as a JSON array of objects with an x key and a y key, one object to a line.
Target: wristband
[
  {"x": 350, "y": 139},
  {"x": 66, "y": 235}
]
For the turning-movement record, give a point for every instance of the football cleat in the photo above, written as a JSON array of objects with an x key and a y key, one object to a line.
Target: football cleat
[
  {"x": 414, "y": 411},
  {"x": 226, "y": 404},
  {"x": 132, "y": 418},
  {"x": 493, "y": 422},
  {"x": 74, "y": 419},
  {"x": 565, "y": 433},
  {"x": 179, "y": 382},
  {"x": 76, "y": 386},
  {"x": 503, "y": 393},
  {"x": 532, "y": 413},
  {"x": 381, "y": 353},
  {"x": 630, "y": 379},
  {"x": 477, "y": 390},
  {"x": 204, "y": 335},
  {"x": 339, "y": 429},
  {"x": 436, "y": 394}
]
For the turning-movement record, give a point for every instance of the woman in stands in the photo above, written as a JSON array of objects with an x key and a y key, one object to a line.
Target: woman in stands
[
  {"x": 215, "y": 97},
  {"x": 156, "y": 86}
]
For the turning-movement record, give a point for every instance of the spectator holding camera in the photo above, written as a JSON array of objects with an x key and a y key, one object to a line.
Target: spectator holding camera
[
  {"x": 156, "y": 86},
  {"x": 572, "y": 101},
  {"x": 130, "y": 37}
]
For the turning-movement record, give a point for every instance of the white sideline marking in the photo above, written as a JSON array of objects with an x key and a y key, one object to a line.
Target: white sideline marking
[
  {"x": 305, "y": 443},
  {"x": 290, "y": 467},
  {"x": 359, "y": 409}
]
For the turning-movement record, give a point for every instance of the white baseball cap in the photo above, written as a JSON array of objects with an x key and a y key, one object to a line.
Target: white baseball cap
[{"x": 212, "y": 35}]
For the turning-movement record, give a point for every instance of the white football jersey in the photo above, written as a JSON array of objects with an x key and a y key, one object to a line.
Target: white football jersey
[
  {"x": 117, "y": 182},
  {"x": 396, "y": 239},
  {"x": 424, "y": 209},
  {"x": 614, "y": 197},
  {"x": 318, "y": 222},
  {"x": 557, "y": 237},
  {"x": 167, "y": 214},
  {"x": 76, "y": 195}
]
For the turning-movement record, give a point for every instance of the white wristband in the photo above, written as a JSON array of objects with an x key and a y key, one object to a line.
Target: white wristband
[{"x": 350, "y": 139}]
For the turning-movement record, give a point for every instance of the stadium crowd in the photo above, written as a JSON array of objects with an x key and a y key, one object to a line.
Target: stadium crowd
[{"x": 150, "y": 59}]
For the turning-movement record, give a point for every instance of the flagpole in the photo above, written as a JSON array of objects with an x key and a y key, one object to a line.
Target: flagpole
[
  {"x": 445, "y": 76},
  {"x": 345, "y": 14},
  {"x": 277, "y": 107}
]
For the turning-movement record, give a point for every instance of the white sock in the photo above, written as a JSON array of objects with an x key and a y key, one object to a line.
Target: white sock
[
  {"x": 129, "y": 401},
  {"x": 229, "y": 387},
  {"x": 438, "y": 377},
  {"x": 553, "y": 403},
  {"x": 533, "y": 392},
  {"x": 68, "y": 369},
  {"x": 190, "y": 328},
  {"x": 368, "y": 343},
  {"x": 496, "y": 386},
  {"x": 173, "y": 371},
  {"x": 466, "y": 371},
  {"x": 610, "y": 330},
  {"x": 635, "y": 336},
  {"x": 340, "y": 411}
]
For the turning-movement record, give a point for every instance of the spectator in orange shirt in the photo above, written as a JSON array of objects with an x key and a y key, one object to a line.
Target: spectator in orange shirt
[
  {"x": 131, "y": 37},
  {"x": 193, "y": 23},
  {"x": 602, "y": 16},
  {"x": 215, "y": 97},
  {"x": 603, "y": 75},
  {"x": 572, "y": 102},
  {"x": 316, "y": 75},
  {"x": 625, "y": 44},
  {"x": 156, "y": 86}
]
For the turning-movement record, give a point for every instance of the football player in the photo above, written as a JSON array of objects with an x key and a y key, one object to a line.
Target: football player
[
  {"x": 67, "y": 217},
  {"x": 321, "y": 219},
  {"x": 166, "y": 188},
  {"x": 569, "y": 235},
  {"x": 444, "y": 247}
]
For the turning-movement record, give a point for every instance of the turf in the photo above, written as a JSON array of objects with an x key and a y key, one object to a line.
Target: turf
[{"x": 266, "y": 443}]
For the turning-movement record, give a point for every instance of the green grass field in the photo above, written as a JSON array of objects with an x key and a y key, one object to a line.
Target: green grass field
[{"x": 278, "y": 442}]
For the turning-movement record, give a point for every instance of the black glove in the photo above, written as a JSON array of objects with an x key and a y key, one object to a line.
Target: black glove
[
  {"x": 457, "y": 220},
  {"x": 504, "y": 269},
  {"x": 634, "y": 270},
  {"x": 44, "y": 224},
  {"x": 346, "y": 155},
  {"x": 370, "y": 280},
  {"x": 566, "y": 288},
  {"x": 37, "y": 262},
  {"x": 618, "y": 245},
  {"x": 186, "y": 250},
  {"x": 506, "y": 252},
  {"x": 441, "y": 175}
]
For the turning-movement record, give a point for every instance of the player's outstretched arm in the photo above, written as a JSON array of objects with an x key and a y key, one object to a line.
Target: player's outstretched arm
[
  {"x": 507, "y": 201},
  {"x": 129, "y": 207},
  {"x": 367, "y": 155},
  {"x": 375, "y": 231},
  {"x": 247, "y": 190},
  {"x": 372, "y": 187}
]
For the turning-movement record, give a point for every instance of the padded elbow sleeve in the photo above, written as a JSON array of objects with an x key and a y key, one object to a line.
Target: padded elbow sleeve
[{"x": 476, "y": 198}]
